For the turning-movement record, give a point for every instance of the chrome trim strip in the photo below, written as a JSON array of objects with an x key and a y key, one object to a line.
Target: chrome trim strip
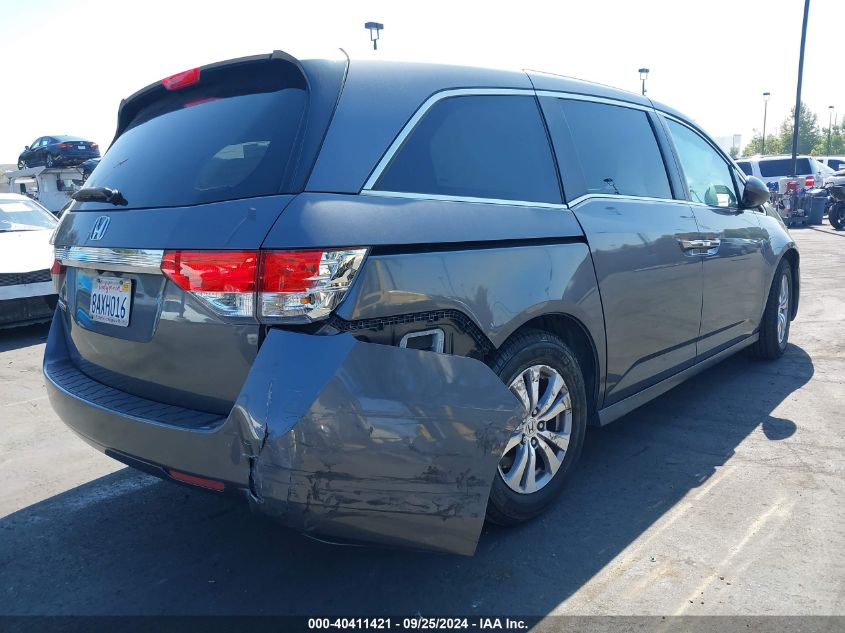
[
  {"x": 433, "y": 196},
  {"x": 574, "y": 96},
  {"x": 420, "y": 113},
  {"x": 612, "y": 196},
  {"x": 128, "y": 260}
]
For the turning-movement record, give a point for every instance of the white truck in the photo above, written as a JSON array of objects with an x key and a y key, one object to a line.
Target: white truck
[{"x": 50, "y": 186}]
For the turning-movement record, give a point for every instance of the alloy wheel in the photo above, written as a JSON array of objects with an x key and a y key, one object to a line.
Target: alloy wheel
[
  {"x": 535, "y": 451},
  {"x": 783, "y": 309}
]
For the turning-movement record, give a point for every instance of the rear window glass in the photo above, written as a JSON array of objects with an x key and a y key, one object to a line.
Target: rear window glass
[
  {"x": 616, "y": 149},
  {"x": 23, "y": 215},
  {"x": 745, "y": 166},
  {"x": 232, "y": 135},
  {"x": 478, "y": 147},
  {"x": 835, "y": 163},
  {"x": 777, "y": 167}
]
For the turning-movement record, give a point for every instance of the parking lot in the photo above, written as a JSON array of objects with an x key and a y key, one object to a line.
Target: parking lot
[{"x": 725, "y": 496}]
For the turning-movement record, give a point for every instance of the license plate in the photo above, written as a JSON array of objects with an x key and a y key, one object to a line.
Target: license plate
[
  {"x": 80, "y": 147},
  {"x": 111, "y": 300}
]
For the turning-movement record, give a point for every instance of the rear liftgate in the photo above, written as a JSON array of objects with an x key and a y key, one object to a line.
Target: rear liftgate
[{"x": 375, "y": 443}]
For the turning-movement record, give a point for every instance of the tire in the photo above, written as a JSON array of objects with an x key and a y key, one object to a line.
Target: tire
[
  {"x": 49, "y": 161},
  {"x": 527, "y": 350},
  {"x": 772, "y": 342},
  {"x": 21, "y": 164},
  {"x": 836, "y": 216}
]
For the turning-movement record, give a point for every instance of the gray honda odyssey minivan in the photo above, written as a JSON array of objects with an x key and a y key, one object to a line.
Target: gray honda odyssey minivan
[{"x": 382, "y": 302}]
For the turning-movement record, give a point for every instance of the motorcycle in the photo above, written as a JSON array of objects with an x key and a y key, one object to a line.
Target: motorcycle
[{"x": 836, "y": 213}]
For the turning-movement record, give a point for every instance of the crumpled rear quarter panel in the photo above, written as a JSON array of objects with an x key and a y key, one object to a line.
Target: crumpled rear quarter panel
[{"x": 375, "y": 443}]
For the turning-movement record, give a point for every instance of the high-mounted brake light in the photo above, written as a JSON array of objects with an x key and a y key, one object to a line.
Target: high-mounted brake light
[
  {"x": 182, "y": 80},
  {"x": 291, "y": 286}
]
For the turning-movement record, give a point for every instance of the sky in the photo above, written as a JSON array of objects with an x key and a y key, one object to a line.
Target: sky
[{"x": 69, "y": 63}]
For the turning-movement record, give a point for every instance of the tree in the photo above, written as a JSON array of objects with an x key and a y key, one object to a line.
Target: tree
[
  {"x": 734, "y": 151},
  {"x": 756, "y": 145},
  {"x": 837, "y": 142},
  {"x": 808, "y": 132}
]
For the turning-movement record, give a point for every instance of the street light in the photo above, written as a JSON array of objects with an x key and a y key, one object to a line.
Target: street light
[
  {"x": 643, "y": 77},
  {"x": 766, "y": 96},
  {"x": 375, "y": 30},
  {"x": 829, "y": 126}
]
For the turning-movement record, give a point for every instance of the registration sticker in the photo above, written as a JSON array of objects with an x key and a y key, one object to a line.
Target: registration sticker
[{"x": 111, "y": 300}]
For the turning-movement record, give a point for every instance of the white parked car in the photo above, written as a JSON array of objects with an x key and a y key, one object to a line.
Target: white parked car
[
  {"x": 27, "y": 294},
  {"x": 771, "y": 169},
  {"x": 834, "y": 162}
]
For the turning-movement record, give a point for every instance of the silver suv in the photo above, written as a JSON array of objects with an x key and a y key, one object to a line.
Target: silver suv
[{"x": 772, "y": 169}]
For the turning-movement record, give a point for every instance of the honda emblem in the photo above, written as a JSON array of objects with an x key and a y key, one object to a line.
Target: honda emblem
[{"x": 99, "y": 228}]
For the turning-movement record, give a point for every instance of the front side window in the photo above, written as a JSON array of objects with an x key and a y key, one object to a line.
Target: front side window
[
  {"x": 708, "y": 175},
  {"x": 481, "y": 146},
  {"x": 616, "y": 149}
]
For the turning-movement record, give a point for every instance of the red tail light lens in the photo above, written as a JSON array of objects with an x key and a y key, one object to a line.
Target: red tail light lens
[
  {"x": 181, "y": 80},
  {"x": 211, "y": 271},
  {"x": 57, "y": 272},
  {"x": 291, "y": 286},
  {"x": 289, "y": 271},
  {"x": 65, "y": 145},
  {"x": 809, "y": 181},
  {"x": 94, "y": 146}
]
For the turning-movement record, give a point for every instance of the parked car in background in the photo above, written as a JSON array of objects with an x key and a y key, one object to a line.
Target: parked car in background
[
  {"x": 27, "y": 294},
  {"x": 834, "y": 162},
  {"x": 386, "y": 323},
  {"x": 770, "y": 169},
  {"x": 54, "y": 151}
]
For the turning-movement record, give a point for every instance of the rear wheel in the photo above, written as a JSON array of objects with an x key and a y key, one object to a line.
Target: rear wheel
[
  {"x": 774, "y": 328},
  {"x": 50, "y": 160},
  {"x": 537, "y": 459},
  {"x": 836, "y": 217}
]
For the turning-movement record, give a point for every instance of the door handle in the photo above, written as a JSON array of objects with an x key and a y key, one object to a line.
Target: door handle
[{"x": 700, "y": 247}]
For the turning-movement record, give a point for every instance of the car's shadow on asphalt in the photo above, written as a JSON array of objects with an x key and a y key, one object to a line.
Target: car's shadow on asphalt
[
  {"x": 129, "y": 544},
  {"x": 19, "y": 337}
]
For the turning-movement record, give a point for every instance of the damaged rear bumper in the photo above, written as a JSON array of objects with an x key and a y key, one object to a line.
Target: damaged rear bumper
[{"x": 332, "y": 436}]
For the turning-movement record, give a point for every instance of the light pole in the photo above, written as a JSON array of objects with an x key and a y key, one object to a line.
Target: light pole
[
  {"x": 766, "y": 96},
  {"x": 798, "y": 90},
  {"x": 643, "y": 77},
  {"x": 375, "y": 30},
  {"x": 829, "y": 126}
]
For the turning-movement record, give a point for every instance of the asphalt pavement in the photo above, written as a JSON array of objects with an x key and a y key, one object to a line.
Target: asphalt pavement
[{"x": 725, "y": 496}]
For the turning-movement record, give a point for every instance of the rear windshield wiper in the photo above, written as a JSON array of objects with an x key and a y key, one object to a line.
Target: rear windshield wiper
[{"x": 100, "y": 194}]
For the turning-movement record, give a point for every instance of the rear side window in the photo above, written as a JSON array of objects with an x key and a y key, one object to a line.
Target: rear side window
[
  {"x": 745, "y": 166},
  {"x": 232, "y": 135},
  {"x": 777, "y": 167},
  {"x": 616, "y": 149},
  {"x": 479, "y": 147}
]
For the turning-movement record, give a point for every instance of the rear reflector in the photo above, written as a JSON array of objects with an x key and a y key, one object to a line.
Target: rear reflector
[
  {"x": 202, "y": 482},
  {"x": 182, "y": 80}
]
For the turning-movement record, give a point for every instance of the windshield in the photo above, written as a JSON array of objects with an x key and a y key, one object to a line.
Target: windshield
[
  {"x": 24, "y": 215},
  {"x": 233, "y": 135}
]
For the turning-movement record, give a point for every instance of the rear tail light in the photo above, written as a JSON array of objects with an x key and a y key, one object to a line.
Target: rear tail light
[
  {"x": 225, "y": 280},
  {"x": 304, "y": 286},
  {"x": 182, "y": 80},
  {"x": 94, "y": 146},
  {"x": 57, "y": 272},
  {"x": 809, "y": 181},
  {"x": 290, "y": 286},
  {"x": 65, "y": 145}
]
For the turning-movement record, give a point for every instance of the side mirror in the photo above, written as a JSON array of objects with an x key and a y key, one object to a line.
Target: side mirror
[
  {"x": 26, "y": 147},
  {"x": 756, "y": 193}
]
